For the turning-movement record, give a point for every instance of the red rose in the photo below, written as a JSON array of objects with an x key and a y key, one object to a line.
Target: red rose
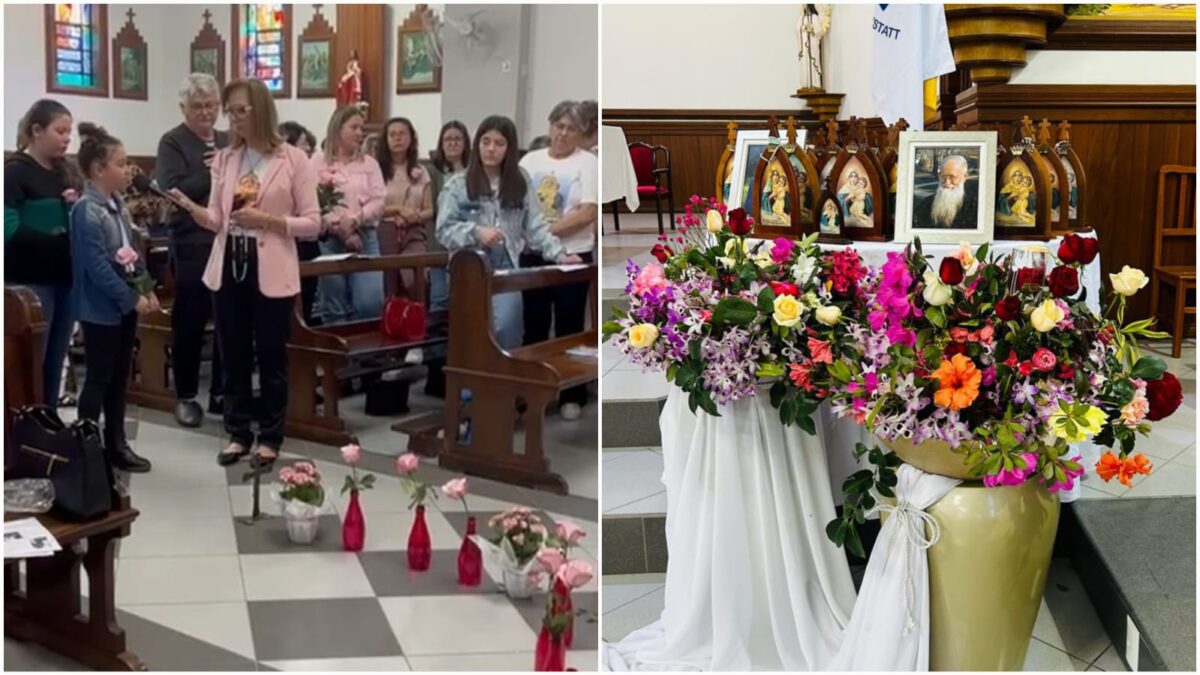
[
  {"x": 661, "y": 253},
  {"x": 1025, "y": 368},
  {"x": 1066, "y": 372},
  {"x": 1044, "y": 359},
  {"x": 785, "y": 288},
  {"x": 1077, "y": 249},
  {"x": 1030, "y": 275},
  {"x": 1064, "y": 281},
  {"x": 1164, "y": 394},
  {"x": 954, "y": 348},
  {"x": 1009, "y": 308},
  {"x": 951, "y": 272},
  {"x": 739, "y": 223}
]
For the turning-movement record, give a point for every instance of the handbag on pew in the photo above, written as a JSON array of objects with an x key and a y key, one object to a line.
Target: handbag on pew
[
  {"x": 71, "y": 456},
  {"x": 403, "y": 319}
]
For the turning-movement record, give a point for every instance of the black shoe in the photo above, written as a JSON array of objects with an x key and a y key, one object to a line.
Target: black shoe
[
  {"x": 225, "y": 458},
  {"x": 216, "y": 405},
  {"x": 126, "y": 459},
  {"x": 188, "y": 413}
]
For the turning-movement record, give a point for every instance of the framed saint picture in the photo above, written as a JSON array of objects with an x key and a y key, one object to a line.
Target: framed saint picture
[
  {"x": 129, "y": 63},
  {"x": 829, "y": 217},
  {"x": 205, "y": 60},
  {"x": 415, "y": 67},
  {"x": 945, "y": 186},
  {"x": 316, "y": 67},
  {"x": 748, "y": 148}
]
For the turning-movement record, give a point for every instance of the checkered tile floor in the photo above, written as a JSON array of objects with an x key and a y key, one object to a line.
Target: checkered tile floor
[{"x": 199, "y": 588}]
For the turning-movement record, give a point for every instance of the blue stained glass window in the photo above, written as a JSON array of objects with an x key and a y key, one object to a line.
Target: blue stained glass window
[
  {"x": 262, "y": 34},
  {"x": 75, "y": 51}
]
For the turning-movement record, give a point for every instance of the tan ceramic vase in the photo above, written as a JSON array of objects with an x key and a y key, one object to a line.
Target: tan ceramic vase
[{"x": 988, "y": 570}]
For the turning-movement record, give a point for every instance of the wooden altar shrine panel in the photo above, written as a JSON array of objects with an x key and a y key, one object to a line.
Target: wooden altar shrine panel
[
  {"x": 698, "y": 137},
  {"x": 362, "y": 28},
  {"x": 1123, "y": 134}
]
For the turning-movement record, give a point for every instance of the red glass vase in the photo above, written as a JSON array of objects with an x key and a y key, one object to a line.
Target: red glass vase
[
  {"x": 551, "y": 655},
  {"x": 566, "y": 607},
  {"x": 354, "y": 527},
  {"x": 470, "y": 558},
  {"x": 420, "y": 551}
]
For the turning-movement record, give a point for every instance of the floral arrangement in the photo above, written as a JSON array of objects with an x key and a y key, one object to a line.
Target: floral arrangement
[
  {"x": 301, "y": 483},
  {"x": 418, "y": 491},
  {"x": 722, "y": 315},
  {"x": 329, "y": 191},
  {"x": 139, "y": 280},
  {"x": 1001, "y": 360},
  {"x": 351, "y": 454},
  {"x": 518, "y": 531}
]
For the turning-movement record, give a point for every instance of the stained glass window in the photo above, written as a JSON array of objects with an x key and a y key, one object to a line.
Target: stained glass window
[
  {"x": 76, "y": 40},
  {"x": 262, "y": 39}
]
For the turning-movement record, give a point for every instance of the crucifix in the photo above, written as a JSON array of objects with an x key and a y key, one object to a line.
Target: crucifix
[
  {"x": 207, "y": 15},
  {"x": 1064, "y": 131},
  {"x": 832, "y": 132},
  {"x": 130, "y": 15},
  {"x": 254, "y": 474},
  {"x": 1026, "y": 127},
  {"x": 791, "y": 131},
  {"x": 732, "y": 134}
]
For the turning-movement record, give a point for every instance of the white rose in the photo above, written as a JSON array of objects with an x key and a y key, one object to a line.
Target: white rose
[
  {"x": 1129, "y": 281},
  {"x": 730, "y": 248},
  {"x": 714, "y": 221},
  {"x": 763, "y": 260},
  {"x": 936, "y": 293},
  {"x": 803, "y": 270},
  {"x": 829, "y": 314}
]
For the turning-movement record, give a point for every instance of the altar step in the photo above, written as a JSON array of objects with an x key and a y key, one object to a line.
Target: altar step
[
  {"x": 1137, "y": 561},
  {"x": 632, "y": 402}
]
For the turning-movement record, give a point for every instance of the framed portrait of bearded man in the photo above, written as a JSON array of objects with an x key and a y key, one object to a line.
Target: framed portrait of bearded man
[{"x": 946, "y": 186}]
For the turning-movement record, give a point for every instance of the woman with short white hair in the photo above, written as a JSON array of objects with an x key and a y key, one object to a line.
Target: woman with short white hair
[{"x": 185, "y": 155}]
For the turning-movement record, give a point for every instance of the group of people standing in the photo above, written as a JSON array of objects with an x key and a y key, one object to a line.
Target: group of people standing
[{"x": 247, "y": 213}]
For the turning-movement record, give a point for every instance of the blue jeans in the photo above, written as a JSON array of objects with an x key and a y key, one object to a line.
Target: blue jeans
[
  {"x": 351, "y": 297},
  {"x": 58, "y": 310},
  {"x": 439, "y": 289},
  {"x": 508, "y": 319}
]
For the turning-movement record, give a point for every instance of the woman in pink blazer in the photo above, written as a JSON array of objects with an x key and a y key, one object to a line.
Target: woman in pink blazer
[{"x": 264, "y": 196}]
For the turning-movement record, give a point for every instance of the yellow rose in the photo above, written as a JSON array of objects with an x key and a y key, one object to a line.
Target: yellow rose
[
  {"x": 643, "y": 335},
  {"x": 763, "y": 259},
  {"x": 1129, "y": 281},
  {"x": 713, "y": 221},
  {"x": 731, "y": 247},
  {"x": 788, "y": 311},
  {"x": 829, "y": 315},
  {"x": 1046, "y": 316},
  {"x": 1093, "y": 421}
]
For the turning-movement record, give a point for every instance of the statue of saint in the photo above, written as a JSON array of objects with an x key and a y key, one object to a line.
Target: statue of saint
[
  {"x": 350, "y": 89},
  {"x": 810, "y": 30}
]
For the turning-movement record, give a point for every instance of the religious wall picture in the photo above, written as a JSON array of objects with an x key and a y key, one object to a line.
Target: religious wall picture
[
  {"x": 205, "y": 60},
  {"x": 130, "y": 74},
  {"x": 316, "y": 74},
  {"x": 416, "y": 70},
  {"x": 829, "y": 217},
  {"x": 945, "y": 186},
  {"x": 854, "y": 195},
  {"x": 748, "y": 148},
  {"x": 133, "y": 70}
]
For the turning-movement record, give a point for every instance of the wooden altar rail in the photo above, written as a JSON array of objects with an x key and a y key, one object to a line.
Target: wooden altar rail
[{"x": 499, "y": 379}]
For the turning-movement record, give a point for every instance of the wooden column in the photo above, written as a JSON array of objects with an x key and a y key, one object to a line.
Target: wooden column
[
  {"x": 363, "y": 28},
  {"x": 1123, "y": 134}
]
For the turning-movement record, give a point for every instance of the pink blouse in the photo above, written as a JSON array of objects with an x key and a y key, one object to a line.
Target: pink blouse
[{"x": 361, "y": 183}]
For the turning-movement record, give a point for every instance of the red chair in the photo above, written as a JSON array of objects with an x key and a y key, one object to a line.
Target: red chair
[{"x": 650, "y": 177}]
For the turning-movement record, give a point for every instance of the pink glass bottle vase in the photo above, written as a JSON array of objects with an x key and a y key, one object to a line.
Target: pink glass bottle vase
[
  {"x": 551, "y": 655},
  {"x": 420, "y": 551},
  {"x": 354, "y": 527},
  {"x": 470, "y": 558}
]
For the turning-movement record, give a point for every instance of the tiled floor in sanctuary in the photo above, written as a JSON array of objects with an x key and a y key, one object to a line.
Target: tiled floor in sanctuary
[
  {"x": 198, "y": 589},
  {"x": 1068, "y": 634}
]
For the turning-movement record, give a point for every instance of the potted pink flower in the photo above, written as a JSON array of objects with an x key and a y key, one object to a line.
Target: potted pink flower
[
  {"x": 300, "y": 496},
  {"x": 511, "y": 552}
]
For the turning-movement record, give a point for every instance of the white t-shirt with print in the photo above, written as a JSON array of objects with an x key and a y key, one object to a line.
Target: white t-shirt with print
[{"x": 562, "y": 185}]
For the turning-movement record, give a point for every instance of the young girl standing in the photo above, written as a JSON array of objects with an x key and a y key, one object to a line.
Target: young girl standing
[{"x": 104, "y": 262}]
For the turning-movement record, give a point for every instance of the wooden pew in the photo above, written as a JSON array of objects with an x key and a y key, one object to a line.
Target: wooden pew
[
  {"x": 325, "y": 355},
  {"x": 498, "y": 379},
  {"x": 48, "y": 609},
  {"x": 150, "y": 382}
]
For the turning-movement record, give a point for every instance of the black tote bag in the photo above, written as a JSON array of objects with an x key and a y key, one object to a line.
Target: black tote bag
[{"x": 71, "y": 456}]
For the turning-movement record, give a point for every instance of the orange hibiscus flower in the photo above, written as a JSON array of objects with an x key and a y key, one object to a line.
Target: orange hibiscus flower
[
  {"x": 958, "y": 382},
  {"x": 1124, "y": 469}
]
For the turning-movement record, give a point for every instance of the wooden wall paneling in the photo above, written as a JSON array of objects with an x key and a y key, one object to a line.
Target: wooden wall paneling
[
  {"x": 1122, "y": 134},
  {"x": 361, "y": 27}
]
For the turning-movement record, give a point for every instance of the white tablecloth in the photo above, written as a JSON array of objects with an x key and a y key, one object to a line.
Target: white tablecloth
[
  {"x": 842, "y": 433},
  {"x": 618, "y": 179}
]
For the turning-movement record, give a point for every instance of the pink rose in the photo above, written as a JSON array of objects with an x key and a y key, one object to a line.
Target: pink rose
[
  {"x": 649, "y": 278},
  {"x": 70, "y": 195},
  {"x": 455, "y": 488},
  {"x": 325, "y": 177},
  {"x": 407, "y": 463},
  {"x": 822, "y": 352},
  {"x": 575, "y": 574},
  {"x": 306, "y": 467},
  {"x": 351, "y": 453},
  {"x": 126, "y": 256},
  {"x": 1044, "y": 360},
  {"x": 551, "y": 559},
  {"x": 570, "y": 532}
]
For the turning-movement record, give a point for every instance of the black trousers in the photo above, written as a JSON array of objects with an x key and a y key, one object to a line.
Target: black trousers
[
  {"x": 192, "y": 309},
  {"x": 563, "y": 306},
  {"x": 252, "y": 328},
  {"x": 108, "y": 354},
  {"x": 308, "y": 250}
]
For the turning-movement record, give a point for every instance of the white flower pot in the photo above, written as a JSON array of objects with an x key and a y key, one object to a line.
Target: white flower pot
[
  {"x": 302, "y": 529},
  {"x": 517, "y": 583}
]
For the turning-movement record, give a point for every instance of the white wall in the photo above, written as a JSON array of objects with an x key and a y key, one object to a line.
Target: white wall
[
  {"x": 1098, "y": 67},
  {"x": 562, "y": 61},
  {"x": 424, "y": 110}
]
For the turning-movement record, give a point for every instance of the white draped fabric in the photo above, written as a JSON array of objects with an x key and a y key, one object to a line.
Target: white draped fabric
[
  {"x": 889, "y": 629},
  {"x": 753, "y": 582}
]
